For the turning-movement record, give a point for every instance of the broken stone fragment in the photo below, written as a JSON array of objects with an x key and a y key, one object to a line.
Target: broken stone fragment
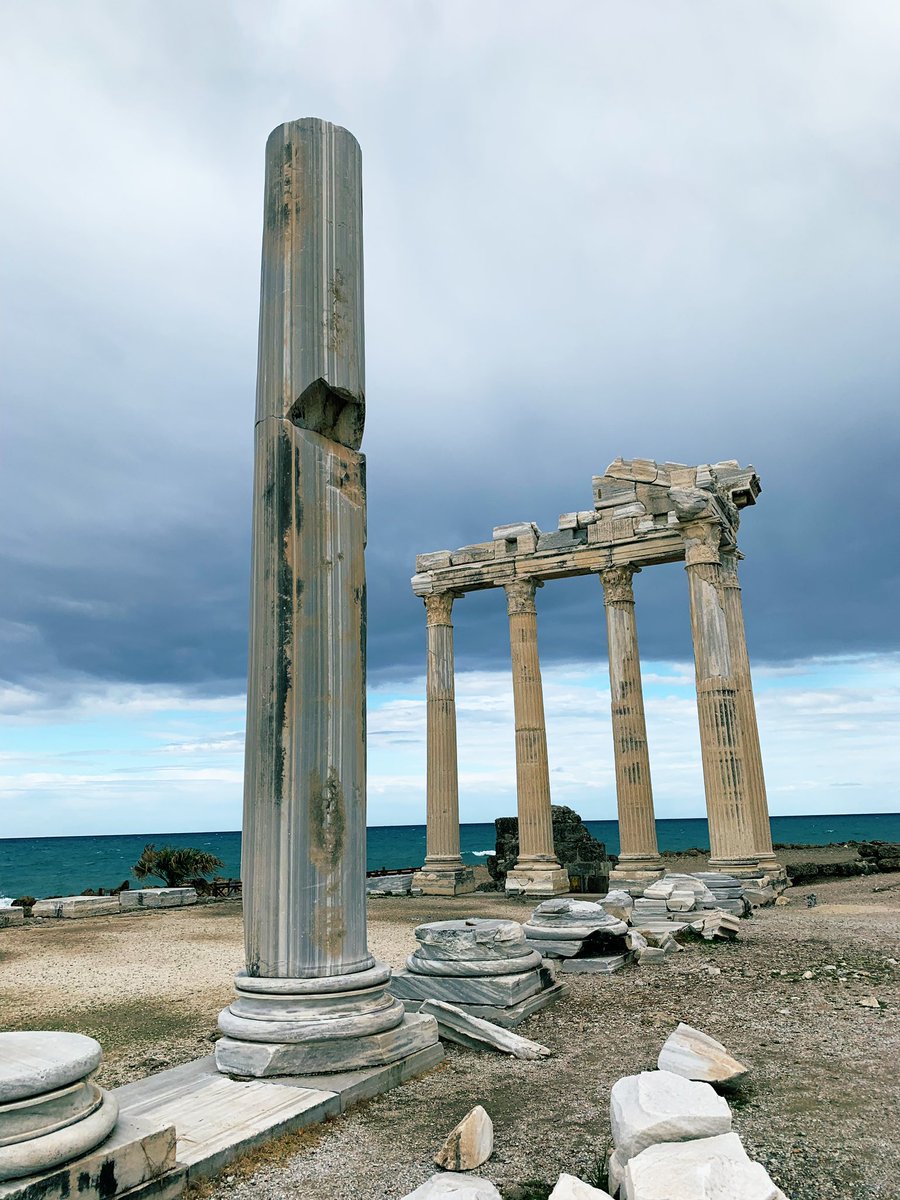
[
  {"x": 696, "y": 1055},
  {"x": 449, "y": 1186},
  {"x": 456, "y": 1025},
  {"x": 470, "y": 1144},
  {"x": 657, "y": 1106},
  {"x": 705, "y": 1169},
  {"x": 568, "y": 1187},
  {"x": 618, "y": 904}
]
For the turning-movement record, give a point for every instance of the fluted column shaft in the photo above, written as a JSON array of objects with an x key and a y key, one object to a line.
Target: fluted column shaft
[
  {"x": 721, "y": 740},
  {"x": 756, "y": 783},
  {"x": 532, "y": 765},
  {"x": 637, "y": 827},
  {"x": 442, "y": 839}
]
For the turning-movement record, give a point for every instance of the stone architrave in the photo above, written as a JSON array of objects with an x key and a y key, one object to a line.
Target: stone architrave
[
  {"x": 756, "y": 782},
  {"x": 728, "y": 809},
  {"x": 444, "y": 872},
  {"x": 311, "y": 997},
  {"x": 638, "y": 853},
  {"x": 537, "y": 872}
]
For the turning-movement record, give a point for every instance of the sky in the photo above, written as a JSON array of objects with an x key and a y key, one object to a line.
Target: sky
[{"x": 664, "y": 229}]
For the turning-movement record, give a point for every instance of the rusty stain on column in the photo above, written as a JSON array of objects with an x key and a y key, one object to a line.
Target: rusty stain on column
[
  {"x": 637, "y": 825},
  {"x": 731, "y": 832},
  {"x": 756, "y": 782},
  {"x": 537, "y": 857}
]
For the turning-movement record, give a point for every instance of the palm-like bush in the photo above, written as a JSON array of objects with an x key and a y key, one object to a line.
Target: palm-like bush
[{"x": 176, "y": 865}]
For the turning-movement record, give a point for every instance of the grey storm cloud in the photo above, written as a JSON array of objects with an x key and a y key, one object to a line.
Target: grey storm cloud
[{"x": 665, "y": 230}]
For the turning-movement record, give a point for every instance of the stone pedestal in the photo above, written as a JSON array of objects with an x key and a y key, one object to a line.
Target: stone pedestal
[
  {"x": 731, "y": 836},
  {"x": 60, "y": 1134},
  {"x": 483, "y": 966},
  {"x": 537, "y": 872},
  {"x": 311, "y": 997},
  {"x": 444, "y": 872},
  {"x": 583, "y": 935},
  {"x": 756, "y": 783},
  {"x": 637, "y": 825}
]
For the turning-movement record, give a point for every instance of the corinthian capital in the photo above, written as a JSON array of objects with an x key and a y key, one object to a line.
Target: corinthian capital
[
  {"x": 701, "y": 542},
  {"x": 520, "y": 595},
  {"x": 617, "y": 586},
  {"x": 438, "y": 607}
]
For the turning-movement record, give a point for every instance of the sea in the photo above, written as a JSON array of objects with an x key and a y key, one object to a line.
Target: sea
[{"x": 63, "y": 866}]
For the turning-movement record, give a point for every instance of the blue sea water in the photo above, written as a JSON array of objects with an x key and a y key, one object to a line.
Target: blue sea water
[{"x": 59, "y": 866}]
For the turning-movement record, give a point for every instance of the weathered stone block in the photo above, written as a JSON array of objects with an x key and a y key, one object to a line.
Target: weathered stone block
[
  {"x": 480, "y": 552},
  {"x": 11, "y": 916},
  {"x": 432, "y": 562},
  {"x": 69, "y": 907},
  {"x": 157, "y": 897}
]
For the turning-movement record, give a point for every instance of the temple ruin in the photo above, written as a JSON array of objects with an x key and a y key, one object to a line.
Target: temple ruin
[{"x": 643, "y": 513}]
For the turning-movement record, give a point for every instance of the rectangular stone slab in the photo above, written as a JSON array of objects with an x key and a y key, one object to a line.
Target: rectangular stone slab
[
  {"x": 509, "y": 1018},
  {"x": 76, "y": 906},
  {"x": 217, "y": 1118},
  {"x": 137, "y": 1152},
  {"x": 157, "y": 897},
  {"x": 499, "y": 990},
  {"x": 595, "y": 966},
  {"x": 352, "y": 1087}
]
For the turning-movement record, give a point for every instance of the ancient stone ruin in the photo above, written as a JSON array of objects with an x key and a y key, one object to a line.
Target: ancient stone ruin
[{"x": 643, "y": 513}]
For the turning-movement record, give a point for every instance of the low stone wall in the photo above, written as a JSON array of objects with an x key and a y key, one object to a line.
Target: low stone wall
[
  {"x": 874, "y": 857},
  {"x": 11, "y": 916},
  {"x": 157, "y": 898}
]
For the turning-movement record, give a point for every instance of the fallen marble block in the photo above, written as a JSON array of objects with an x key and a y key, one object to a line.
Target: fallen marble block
[
  {"x": 603, "y": 965},
  {"x": 635, "y": 940},
  {"x": 618, "y": 904},
  {"x": 680, "y": 893},
  {"x": 713, "y": 1168},
  {"x": 615, "y": 1172},
  {"x": 69, "y": 907},
  {"x": 719, "y": 924},
  {"x": 657, "y": 1106},
  {"x": 456, "y": 1025},
  {"x": 696, "y": 1055},
  {"x": 11, "y": 915},
  {"x": 568, "y": 1187},
  {"x": 499, "y": 990},
  {"x": 471, "y": 939},
  {"x": 582, "y": 917},
  {"x": 157, "y": 897},
  {"x": 470, "y": 1144},
  {"x": 447, "y": 1185},
  {"x": 389, "y": 885}
]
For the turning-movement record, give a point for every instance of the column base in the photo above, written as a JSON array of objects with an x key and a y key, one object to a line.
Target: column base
[
  {"x": 740, "y": 868},
  {"x": 307, "y": 1026},
  {"x": 413, "y": 1033},
  {"x": 537, "y": 879},
  {"x": 445, "y": 880}
]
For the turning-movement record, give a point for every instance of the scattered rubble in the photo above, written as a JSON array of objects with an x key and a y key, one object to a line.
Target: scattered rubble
[
  {"x": 470, "y": 1144},
  {"x": 568, "y": 1187},
  {"x": 696, "y": 1055},
  {"x": 657, "y": 1106},
  {"x": 705, "y": 1169},
  {"x": 450, "y": 1186}
]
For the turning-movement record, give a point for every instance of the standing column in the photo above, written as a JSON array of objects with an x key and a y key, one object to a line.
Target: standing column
[
  {"x": 444, "y": 873},
  {"x": 311, "y": 997},
  {"x": 536, "y": 872},
  {"x": 721, "y": 741},
  {"x": 638, "y": 851},
  {"x": 756, "y": 782}
]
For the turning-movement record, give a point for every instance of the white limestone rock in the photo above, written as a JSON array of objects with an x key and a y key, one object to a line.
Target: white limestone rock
[
  {"x": 618, "y": 904},
  {"x": 470, "y": 1144},
  {"x": 714, "y": 1168},
  {"x": 568, "y": 1187},
  {"x": 615, "y": 1172},
  {"x": 456, "y": 1025},
  {"x": 695, "y": 1055},
  {"x": 451, "y": 1186},
  {"x": 657, "y": 1106}
]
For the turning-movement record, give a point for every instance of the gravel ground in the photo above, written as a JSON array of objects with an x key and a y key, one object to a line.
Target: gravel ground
[{"x": 822, "y": 1110}]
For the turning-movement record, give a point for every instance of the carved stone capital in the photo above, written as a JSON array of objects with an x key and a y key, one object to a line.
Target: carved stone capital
[
  {"x": 617, "y": 586},
  {"x": 438, "y": 607},
  {"x": 701, "y": 542},
  {"x": 520, "y": 595},
  {"x": 729, "y": 560}
]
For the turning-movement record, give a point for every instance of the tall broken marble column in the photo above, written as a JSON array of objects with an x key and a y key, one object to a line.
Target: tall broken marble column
[
  {"x": 311, "y": 997},
  {"x": 638, "y": 850},
  {"x": 444, "y": 872},
  {"x": 756, "y": 782},
  {"x": 731, "y": 834},
  {"x": 537, "y": 873}
]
